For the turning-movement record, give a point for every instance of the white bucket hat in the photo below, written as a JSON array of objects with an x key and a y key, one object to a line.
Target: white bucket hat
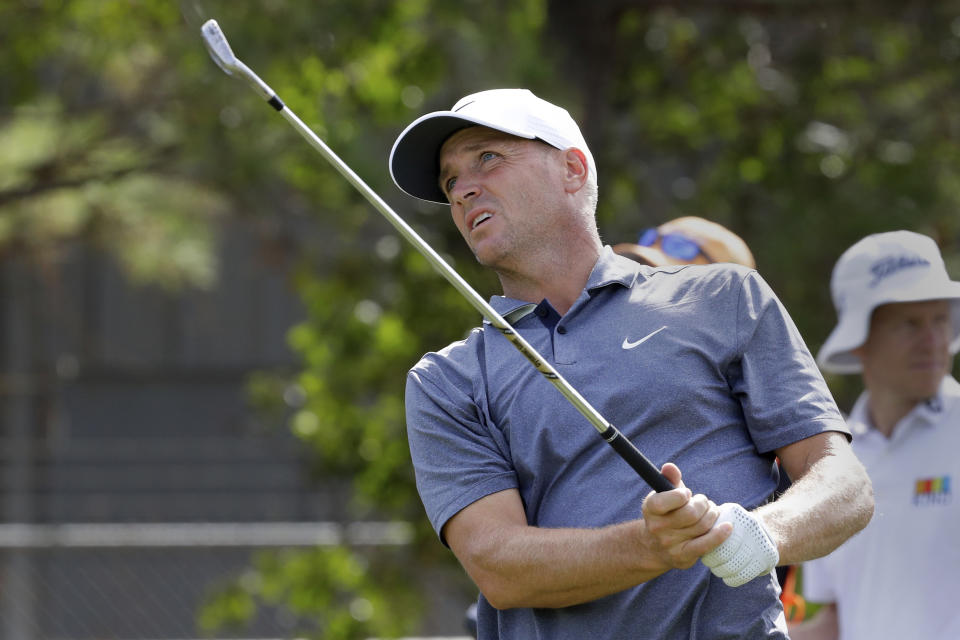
[
  {"x": 415, "y": 157},
  {"x": 898, "y": 266}
]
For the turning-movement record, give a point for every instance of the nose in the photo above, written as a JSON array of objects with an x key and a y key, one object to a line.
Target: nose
[
  {"x": 935, "y": 334},
  {"x": 463, "y": 190}
]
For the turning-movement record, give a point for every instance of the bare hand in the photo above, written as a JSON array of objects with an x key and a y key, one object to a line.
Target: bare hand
[{"x": 680, "y": 524}]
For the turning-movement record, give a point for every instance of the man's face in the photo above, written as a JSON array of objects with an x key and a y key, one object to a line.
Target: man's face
[
  {"x": 505, "y": 193},
  {"x": 907, "y": 353}
]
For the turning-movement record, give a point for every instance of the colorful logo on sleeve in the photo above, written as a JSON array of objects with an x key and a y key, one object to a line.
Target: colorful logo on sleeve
[{"x": 932, "y": 491}]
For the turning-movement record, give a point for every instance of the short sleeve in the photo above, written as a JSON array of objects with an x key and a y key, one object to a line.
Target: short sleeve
[
  {"x": 782, "y": 392},
  {"x": 458, "y": 456}
]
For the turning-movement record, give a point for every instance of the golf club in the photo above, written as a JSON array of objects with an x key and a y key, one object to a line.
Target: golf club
[{"x": 223, "y": 55}]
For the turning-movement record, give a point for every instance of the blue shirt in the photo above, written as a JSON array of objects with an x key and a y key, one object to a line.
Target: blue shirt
[{"x": 700, "y": 366}]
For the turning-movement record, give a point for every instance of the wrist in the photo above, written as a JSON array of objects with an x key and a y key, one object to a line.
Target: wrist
[{"x": 651, "y": 558}]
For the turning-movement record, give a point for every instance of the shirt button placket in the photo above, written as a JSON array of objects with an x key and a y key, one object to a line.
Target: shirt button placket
[{"x": 561, "y": 348}]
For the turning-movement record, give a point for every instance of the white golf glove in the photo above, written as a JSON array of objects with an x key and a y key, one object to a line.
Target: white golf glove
[{"x": 749, "y": 552}]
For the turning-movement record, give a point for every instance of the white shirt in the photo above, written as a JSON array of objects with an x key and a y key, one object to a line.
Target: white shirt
[{"x": 900, "y": 577}]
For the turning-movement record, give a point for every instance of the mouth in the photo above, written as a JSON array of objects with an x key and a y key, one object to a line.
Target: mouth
[
  {"x": 924, "y": 367},
  {"x": 475, "y": 220}
]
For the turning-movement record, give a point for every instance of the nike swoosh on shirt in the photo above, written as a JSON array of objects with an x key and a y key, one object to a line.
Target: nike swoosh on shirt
[{"x": 630, "y": 345}]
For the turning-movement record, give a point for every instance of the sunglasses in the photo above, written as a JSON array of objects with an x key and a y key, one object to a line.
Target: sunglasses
[{"x": 673, "y": 244}]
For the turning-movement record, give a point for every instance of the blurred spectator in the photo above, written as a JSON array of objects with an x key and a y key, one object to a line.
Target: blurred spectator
[
  {"x": 687, "y": 240},
  {"x": 899, "y": 326}
]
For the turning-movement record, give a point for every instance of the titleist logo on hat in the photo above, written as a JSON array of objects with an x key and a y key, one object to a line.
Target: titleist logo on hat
[{"x": 889, "y": 265}]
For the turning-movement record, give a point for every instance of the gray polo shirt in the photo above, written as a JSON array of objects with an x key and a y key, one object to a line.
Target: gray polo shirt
[{"x": 700, "y": 366}]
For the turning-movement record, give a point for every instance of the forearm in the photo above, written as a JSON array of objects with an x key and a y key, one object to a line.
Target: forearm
[
  {"x": 535, "y": 567},
  {"x": 517, "y": 565},
  {"x": 831, "y": 500}
]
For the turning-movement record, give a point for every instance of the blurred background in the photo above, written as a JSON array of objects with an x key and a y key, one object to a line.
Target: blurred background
[{"x": 204, "y": 329}]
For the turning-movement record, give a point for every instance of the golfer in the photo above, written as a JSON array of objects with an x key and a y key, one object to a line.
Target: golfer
[
  {"x": 699, "y": 366},
  {"x": 898, "y": 326}
]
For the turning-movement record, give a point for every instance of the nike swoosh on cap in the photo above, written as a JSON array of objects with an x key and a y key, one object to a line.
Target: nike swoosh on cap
[{"x": 630, "y": 345}]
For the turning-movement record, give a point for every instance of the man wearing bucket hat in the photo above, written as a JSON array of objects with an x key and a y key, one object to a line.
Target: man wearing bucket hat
[
  {"x": 701, "y": 368},
  {"x": 898, "y": 326}
]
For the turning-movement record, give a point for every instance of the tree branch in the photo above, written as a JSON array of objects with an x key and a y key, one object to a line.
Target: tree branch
[{"x": 44, "y": 186}]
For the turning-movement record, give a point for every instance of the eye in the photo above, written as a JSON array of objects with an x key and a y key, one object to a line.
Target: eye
[
  {"x": 487, "y": 155},
  {"x": 448, "y": 185}
]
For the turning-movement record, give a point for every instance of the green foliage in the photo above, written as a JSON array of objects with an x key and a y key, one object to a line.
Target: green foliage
[
  {"x": 90, "y": 136},
  {"x": 322, "y": 593},
  {"x": 355, "y": 352}
]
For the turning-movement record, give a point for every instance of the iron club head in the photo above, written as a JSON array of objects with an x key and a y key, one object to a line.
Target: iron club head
[
  {"x": 219, "y": 48},
  {"x": 222, "y": 54}
]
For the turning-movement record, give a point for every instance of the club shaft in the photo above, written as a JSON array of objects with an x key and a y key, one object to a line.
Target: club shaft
[{"x": 650, "y": 474}]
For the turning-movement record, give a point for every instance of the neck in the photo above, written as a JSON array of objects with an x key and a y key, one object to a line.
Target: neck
[
  {"x": 885, "y": 411},
  {"x": 558, "y": 277}
]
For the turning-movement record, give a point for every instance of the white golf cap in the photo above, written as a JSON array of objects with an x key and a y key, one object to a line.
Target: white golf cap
[
  {"x": 415, "y": 158},
  {"x": 883, "y": 268}
]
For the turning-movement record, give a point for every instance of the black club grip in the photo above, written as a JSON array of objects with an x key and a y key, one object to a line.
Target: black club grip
[{"x": 650, "y": 474}]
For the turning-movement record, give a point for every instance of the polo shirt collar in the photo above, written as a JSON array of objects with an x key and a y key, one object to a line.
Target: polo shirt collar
[
  {"x": 926, "y": 414},
  {"x": 613, "y": 269},
  {"x": 947, "y": 395},
  {"x": 610, "y": 269}
]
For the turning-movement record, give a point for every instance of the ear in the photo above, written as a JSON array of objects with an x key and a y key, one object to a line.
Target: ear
[{"x": 576, "y": 169}]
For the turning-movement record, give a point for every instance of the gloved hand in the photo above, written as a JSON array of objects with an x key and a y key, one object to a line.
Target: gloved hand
[{"x": 749, "y": 552}]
